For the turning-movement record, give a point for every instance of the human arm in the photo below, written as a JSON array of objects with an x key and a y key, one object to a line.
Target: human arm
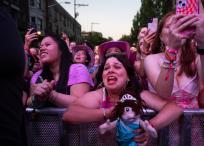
[
  {"x": 86, "y": 109},
  {"x": 163, "y": 83},
  {"x": 29, "y": 38},
  {"x": 156, "y": 75},
  {"x": 168, "y": 111},
  {"x": 65, "y": 38},
  {"x": 39, "y": 91},
  {"x": 79, "y": 80},
  {"x": 78, "y": 90},
  {"x": 139, "y": 67},
  {"x": 147, "y": 42}
]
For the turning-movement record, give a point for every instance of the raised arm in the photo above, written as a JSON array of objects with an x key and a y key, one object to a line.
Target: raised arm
[{"x": 156, "y": 75}]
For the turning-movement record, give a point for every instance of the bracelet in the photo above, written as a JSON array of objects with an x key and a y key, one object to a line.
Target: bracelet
[
  {"x": 172, "y": 51},
  {"x": 169, "y": 66},
  {"x": 200, "y": 51},
  {"x": 104, "y": 114},
  {"x": 169, "y": 57}
]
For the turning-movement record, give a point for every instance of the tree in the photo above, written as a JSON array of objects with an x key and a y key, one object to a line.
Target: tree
[
  {"x": 95, "y": 38},
  {"x": 149, "y": 9}
]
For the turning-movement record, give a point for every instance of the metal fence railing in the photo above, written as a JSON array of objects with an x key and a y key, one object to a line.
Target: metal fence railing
[{"x": 46, "y": 128}]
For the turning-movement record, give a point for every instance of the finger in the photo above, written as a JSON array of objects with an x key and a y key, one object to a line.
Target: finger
[
  {"x": 33, "y": 34},
  {"x": 187, "y": 24},
  {"x": 30, "y": 40},
  {"x": 185, "y": 19},
  {"x": 29, "y": 30},
  {"x": 151, "y": 34},
  {"x": 139, "y": 131},
  {"x": 141, "y": 138}
]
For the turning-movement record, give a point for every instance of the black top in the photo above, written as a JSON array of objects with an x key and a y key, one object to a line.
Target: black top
[{"x": 12, "y": 131}]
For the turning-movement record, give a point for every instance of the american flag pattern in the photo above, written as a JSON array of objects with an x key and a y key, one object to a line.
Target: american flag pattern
[{"x": 187, "y": 6}]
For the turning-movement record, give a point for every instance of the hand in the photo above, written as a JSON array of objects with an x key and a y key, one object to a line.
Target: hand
[
  {"x": 199, "y": 33},
  {"x": 178, "y": 24},
  {"x": 29, "y": 38},
  {"x": 141, "y": 138},
  {"x": 148, "y": 128},
  {"x": 147, "y": 41},
  {"x": 107, "y": 126},
  {"x": 64, "y": 36},
  {"x": 42, "y": 90}
]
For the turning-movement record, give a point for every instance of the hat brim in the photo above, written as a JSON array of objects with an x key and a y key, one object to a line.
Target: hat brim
[{"x": 122, "y": 45}]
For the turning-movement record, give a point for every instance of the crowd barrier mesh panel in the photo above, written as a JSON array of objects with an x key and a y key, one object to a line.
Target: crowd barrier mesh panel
[
  {"x": 197, "y": 131},
  {"x": 45, "y": 130},
  {"x": 48, "y": 130},
  {"x": 73, "y": 134}
]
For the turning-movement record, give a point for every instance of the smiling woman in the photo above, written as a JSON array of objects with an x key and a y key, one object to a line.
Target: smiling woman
[{"x": 58, "y": 83}]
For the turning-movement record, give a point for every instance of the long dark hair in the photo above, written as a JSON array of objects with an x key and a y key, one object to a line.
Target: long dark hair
[
  {"x": 66, "y": 61},
  {"x": 132, "y": 84}
]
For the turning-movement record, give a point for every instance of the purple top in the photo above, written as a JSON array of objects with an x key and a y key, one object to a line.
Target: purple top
[
  {"x": 35, "y": 76},
  {"x": 78, "y": 73}
]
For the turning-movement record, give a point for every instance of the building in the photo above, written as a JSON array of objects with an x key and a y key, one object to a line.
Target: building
[
  {"x": 60, "y": 20},
  {"x": 37, "y": 14},
  {"x": 19, "y": 11},
  {"x": 47, "y": 16}
]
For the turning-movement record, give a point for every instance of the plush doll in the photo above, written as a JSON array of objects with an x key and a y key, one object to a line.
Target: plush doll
[{"x": 128, "y": 112}]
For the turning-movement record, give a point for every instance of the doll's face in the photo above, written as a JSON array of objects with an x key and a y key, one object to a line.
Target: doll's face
[{"x": 129, "y": 115}]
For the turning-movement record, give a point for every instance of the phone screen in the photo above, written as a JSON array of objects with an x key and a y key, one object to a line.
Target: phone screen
[
  {"x": 187, "y": 7},
  {"x": 152, "y": 27}
]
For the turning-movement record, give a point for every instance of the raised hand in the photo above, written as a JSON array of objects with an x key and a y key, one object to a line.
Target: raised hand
[
  {"x": 29, "y": 38},
  {"x": 177, "y": 27}
]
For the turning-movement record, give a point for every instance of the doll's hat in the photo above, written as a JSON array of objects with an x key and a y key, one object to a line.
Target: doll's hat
[{"x": 127, "y": 97}]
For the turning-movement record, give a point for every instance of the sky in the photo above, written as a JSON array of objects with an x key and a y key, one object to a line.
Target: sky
[{"x": 114, "y": 17}]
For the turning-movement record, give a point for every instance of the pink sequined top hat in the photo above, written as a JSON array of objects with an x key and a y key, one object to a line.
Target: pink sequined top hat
[
  {"x": 88, "y": 50},
  {"x": 122, "y": 45}
]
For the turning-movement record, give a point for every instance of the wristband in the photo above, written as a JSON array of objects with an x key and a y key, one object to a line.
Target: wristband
[{"x": 200, "y": 51}]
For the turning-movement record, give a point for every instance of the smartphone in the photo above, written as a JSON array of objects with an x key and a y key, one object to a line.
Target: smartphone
[
  {"x": 33, "y": 30},
  {"x": 187, "y": 7},
  {"x": 152, "y": 27}
]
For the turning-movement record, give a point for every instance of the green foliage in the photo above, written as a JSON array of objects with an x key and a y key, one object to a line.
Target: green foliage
[
  {"x": 148, "y": 10},
  {"x": 125, "y": 38},
  {"x": 96, "y": 38}
]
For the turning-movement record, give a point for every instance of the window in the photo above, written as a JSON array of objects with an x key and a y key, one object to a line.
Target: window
[
  {"x": 33, "y": 22},
  {"x": 38, "y": 4},
  {"x": 39, "y": 24},
  {"x": 32, "y": 3}
]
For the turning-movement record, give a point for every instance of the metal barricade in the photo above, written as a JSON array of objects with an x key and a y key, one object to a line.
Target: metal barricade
[{"x": 45, "y": 127}]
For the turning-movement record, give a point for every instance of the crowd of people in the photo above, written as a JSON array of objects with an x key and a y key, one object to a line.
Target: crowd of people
[{"x": 165, "y": 72}]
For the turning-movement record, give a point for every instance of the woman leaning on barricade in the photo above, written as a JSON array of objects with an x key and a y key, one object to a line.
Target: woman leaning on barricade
[
  {"x": 57, "y": 84},
  {"x": 176, "y": 73},
  {"x": 116, "y": 74}
]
